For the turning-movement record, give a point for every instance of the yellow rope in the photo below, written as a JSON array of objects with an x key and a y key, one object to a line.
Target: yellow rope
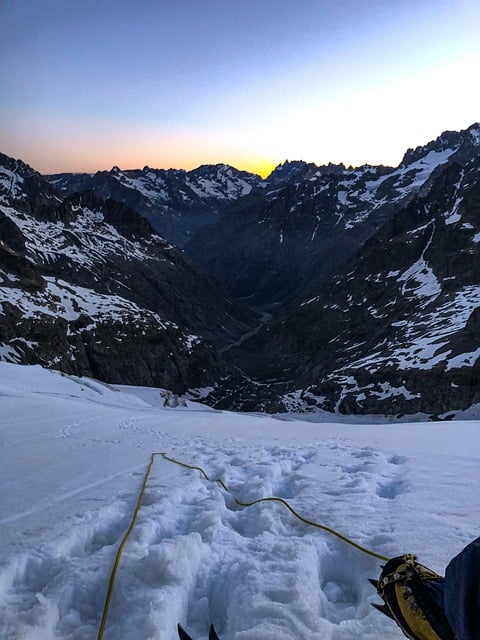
[
  {"x": 118, "y": 555},
  {"x": 286, "y": 504},
  {"x": 220, "y": 482}
]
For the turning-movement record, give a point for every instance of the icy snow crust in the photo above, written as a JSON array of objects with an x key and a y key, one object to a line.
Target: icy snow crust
[{"x": 72, "y": 457}]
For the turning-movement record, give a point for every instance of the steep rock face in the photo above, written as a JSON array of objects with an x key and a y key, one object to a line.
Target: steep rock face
[
  {"x": 397, "y": 330},
  {"x": 279, "y": 244},
  {"x": 87, "y": 286},
  {"x": 296, "y": 171},
  {"x": 26, "y": 188},
  {"x": 177, "y": 203}
]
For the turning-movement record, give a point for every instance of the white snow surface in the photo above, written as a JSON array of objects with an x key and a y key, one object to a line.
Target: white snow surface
[{"x": 73, "y": 452}]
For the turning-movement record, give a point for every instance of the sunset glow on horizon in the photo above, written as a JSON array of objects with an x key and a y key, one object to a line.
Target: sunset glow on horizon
[{"x": 91, "y": 85}]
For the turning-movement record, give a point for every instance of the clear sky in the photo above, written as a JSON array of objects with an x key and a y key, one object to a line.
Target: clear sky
[{"x": 88, "y": 84}]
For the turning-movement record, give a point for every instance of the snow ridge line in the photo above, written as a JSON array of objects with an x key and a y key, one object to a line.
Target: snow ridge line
[{"x": 220, "y": 482}]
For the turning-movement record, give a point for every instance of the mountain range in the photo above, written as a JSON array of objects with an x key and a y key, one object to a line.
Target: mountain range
[
  {"x": 346, "y": 289},
  {"x": 88, "y": 287},
  {"x": 177, "y": 203}
]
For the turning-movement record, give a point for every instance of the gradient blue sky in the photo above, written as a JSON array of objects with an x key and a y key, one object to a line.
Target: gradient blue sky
[{"x": 87, "y": 84}]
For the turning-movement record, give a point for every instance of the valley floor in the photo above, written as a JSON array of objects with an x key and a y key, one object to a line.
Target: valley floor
[{"x": 72, "y": 457}]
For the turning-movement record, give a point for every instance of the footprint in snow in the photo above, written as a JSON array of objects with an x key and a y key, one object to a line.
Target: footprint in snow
[{"x": 391, "y": 489}]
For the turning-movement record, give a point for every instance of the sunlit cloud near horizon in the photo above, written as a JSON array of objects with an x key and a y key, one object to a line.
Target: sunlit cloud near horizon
[{"x": 178, "y": 85}]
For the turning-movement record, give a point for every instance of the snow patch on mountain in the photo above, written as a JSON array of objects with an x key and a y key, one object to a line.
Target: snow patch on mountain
[
  {"x": 68, "y": 301},
  {"x": 420, "y": 343},
  {"x": 87, "y": 240},
  {"x": 223, "y": 184},
  {"x": 420, "y": 279},
  {"x": 464, "y": 359},
  {"x": 411, "y": 177},
  {"x": 10, "y": 183}
]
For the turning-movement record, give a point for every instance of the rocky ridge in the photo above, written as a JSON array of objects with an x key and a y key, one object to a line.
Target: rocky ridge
[
  {"x": 176, "y": 202},
  {"x": 277, "y": 245}
]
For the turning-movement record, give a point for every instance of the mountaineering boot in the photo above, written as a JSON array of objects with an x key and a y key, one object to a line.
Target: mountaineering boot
[
  {"x": 405, "y": 587},
  {"x": 383, "y": 609}
]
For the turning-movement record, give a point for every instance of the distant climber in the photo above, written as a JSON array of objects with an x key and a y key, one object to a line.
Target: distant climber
[{"x": 171, "y": 400}]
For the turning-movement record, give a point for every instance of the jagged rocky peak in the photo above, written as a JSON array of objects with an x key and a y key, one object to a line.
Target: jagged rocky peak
[
  {"x": 291, "y": 170},
  {"x": 297, "y": 171},
  {"x": 211, "y": 170},
  {"x": 448, "y": 144},
  {"x": 17, "y": 166},
  {"x": 27, "y": 190},
  {"x": 474, "y": 131},
  {"x": 16, "y": 180},
  {"x": 222, "y": 181}
]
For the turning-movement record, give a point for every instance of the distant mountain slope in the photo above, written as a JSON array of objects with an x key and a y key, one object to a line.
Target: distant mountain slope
[
  {"x": 87, "y": 286},
  {"x": 367, "y": 280},
  {"x": 176, "y": 202},
  {"x": 280, "y": 243},
  {"x": 397, "y": 330}
]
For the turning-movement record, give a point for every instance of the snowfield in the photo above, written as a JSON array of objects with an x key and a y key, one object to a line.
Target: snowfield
[{"x": 73, "y": 453}]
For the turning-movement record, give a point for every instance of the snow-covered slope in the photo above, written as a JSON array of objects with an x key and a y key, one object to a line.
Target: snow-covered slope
[{"x": 72, "y": 460}]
